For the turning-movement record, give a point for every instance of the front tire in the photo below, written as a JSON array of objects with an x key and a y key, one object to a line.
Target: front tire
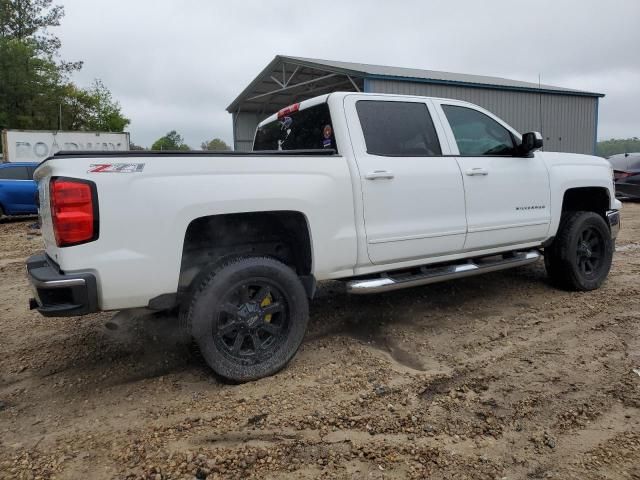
[
  {"x": 581, "y": 254},
  {"x": 249, "y": 317}
]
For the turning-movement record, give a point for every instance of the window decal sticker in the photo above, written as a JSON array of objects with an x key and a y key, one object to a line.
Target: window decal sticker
[{"x": 326, "y": 133}]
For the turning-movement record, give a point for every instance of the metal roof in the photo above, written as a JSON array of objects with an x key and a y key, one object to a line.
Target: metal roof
[{"x": 273, "y": 79}]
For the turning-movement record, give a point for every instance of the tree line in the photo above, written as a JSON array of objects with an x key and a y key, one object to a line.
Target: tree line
[
  {"x": 615, "y": 146},
  {"x": 174, "y": 141}
]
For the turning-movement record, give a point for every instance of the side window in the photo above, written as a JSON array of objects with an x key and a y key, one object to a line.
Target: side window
[
  {"x": 400, "y": 129},
  {"x": 477, "y": 134},
  {"x": 14, "y": 173},
  {"x": 30, "y": 171}
]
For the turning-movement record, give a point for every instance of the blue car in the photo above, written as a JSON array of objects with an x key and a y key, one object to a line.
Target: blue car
[{"x": 17, "y": 189}]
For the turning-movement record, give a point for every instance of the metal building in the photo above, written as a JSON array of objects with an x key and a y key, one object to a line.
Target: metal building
[{"x": 567, "y": 119}]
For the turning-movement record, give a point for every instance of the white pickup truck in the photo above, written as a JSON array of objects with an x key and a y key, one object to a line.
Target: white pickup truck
[{"x": 379, "y": 191}]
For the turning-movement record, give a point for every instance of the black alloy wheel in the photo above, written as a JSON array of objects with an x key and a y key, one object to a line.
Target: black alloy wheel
[
  {"x": 581, "y": 254},
  {"x": 590, "y": 251},
  {"x": 252, "y": 321},
  {"x": 248, "y": 317}
]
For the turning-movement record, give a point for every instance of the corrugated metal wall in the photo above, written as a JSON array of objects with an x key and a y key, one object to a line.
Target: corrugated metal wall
[
  {"x": 567, "y": 123},
  {"x": 244, "y": 127}
]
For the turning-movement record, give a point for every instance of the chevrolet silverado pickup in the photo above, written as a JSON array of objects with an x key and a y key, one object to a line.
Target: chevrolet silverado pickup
[{"x": 379, "y": 191}]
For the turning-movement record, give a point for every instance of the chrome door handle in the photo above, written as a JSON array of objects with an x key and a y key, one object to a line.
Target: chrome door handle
[
  {"x": 472, "y": 172},
  {"x": 376, "y": 174}
]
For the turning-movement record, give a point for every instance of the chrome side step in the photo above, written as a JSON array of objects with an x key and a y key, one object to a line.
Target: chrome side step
[{"x": 428, "y": 275}]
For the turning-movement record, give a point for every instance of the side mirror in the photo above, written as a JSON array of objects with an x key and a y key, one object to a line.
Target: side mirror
[{"x": 531, "y": 141}]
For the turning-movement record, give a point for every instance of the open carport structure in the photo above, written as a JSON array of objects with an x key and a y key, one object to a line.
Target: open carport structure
[{"x": 567, "y": 118}]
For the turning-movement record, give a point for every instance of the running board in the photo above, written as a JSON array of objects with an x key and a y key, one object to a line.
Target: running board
[{"x": 429, "y": 275}]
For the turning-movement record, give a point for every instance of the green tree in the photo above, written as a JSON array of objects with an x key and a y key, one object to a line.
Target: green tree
[
  {"x": 133, "y": 146},
  {"x": 31, "y": 87},
  {"x": 215, "y": 144},
  {"x": 92, "y": 109},
  {"x": 28, "y": 20},
  {"x": 171, "y": 141}
]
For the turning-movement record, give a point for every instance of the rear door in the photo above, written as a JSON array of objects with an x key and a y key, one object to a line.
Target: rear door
[
  {"x": 17, "y": 189},
  {"x": 413, "y": 196},
  {"x": 507, "y": 195}
]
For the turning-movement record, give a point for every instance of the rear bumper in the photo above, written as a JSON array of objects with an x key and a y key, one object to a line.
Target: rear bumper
[
  {"x": 613, "y": 217},
  {"x": 57, "y": 294}
]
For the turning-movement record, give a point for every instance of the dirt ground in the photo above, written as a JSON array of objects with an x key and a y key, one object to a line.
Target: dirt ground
[{"x": 492, "y": 377}]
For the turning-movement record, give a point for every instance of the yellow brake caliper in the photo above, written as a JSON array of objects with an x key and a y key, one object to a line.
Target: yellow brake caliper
[{"x": 266, "y": 302}]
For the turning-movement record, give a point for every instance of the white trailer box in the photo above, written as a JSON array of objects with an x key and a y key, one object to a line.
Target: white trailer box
[{"x": 36, "y": 145}]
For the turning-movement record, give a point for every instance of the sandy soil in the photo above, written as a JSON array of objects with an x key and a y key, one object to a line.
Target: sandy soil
[{"x": 494, "y": 377}]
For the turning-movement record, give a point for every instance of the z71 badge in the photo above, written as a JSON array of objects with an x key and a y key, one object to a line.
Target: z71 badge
[{"x": 116, "y": 168}]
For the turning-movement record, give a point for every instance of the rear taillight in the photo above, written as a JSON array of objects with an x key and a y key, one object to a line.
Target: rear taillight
[
  {"x": 74, "y": 211},
  {"x": 618, "y": 175}
]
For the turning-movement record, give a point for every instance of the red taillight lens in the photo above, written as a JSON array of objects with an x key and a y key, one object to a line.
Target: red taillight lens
[
  {"x": 618, "y": 174},
  {"x": 73, "y": 211}
]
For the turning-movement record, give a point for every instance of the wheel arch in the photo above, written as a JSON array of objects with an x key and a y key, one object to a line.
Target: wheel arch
[
  {"x": 281, "y": 234},
  {"x": 590, "y": 199},
  {"x": 574, "y": 198}
]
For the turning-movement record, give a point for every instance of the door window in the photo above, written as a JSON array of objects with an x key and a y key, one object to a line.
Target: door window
[
  {"x": 478, "y": 134},
  {"x": 399, "y": 129},
  {"x": 14, "y": 173}
]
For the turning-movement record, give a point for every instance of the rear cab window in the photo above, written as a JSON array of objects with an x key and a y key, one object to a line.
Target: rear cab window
[{"x": 297, "y": 128}]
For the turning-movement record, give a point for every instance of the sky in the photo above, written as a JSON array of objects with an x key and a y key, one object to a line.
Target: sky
[{"x": 176, "y": 65}]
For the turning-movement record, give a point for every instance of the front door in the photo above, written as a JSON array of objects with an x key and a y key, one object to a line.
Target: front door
[
  {"x": 507, "y": 196},
  {"x": 413, "y": 196}
]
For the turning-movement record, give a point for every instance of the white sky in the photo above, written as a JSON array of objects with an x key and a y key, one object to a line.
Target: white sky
[{"x": 178, "y": 64}]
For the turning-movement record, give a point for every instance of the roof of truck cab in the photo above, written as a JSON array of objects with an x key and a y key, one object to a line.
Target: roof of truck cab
[{"x": 311, "y": 102}]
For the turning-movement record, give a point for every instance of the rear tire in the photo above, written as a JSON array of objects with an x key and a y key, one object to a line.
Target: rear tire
[
  {"x": 249, "y": 317},
  {"x": 1, "y": 212},
  {"x": 581, "y": 254}
]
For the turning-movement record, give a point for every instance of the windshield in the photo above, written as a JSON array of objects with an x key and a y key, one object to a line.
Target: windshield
[{"x": 307, "y": 129}]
